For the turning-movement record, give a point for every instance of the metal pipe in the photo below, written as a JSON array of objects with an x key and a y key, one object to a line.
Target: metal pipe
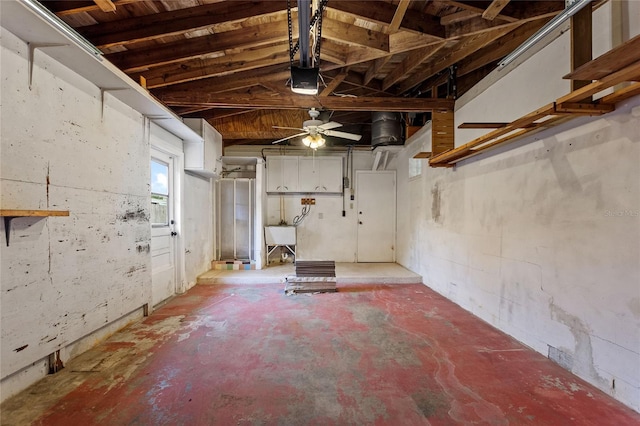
[
  {"x": 573, "y": 7},
  {"x": 304, "y": 22}
]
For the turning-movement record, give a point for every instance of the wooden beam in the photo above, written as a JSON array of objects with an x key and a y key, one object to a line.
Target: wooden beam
[
  {"x": 229, "y": 82},
  {"x": 610, "y": 62},
  {"x": 458, "y": 17},
  {"x": 398, "y": 16},
  {"x": 333, "y": 85},
  {"x": 581, "y": 43},
  {"x": 375, "y": 68},
  {"x": 245, "y": 38},
  {"x": 500, "y": 47},
  {"x": 583, "y": 108},
  {"x": 67, "y": 8},
  {"x": 478, "y": 10},
  {"x": 412, "y": 61},
  {"x": 173, "y": 22},
  {"x": 391, "y": 29},
  {"x": 442, "y": 131},
  {"x": 352, "y": 34},
  {"x": 300, "y": 101},
  {"x": 494, "y": 9},
  {"x": 105, "y": 5},
  {"x": 383, "y": 13},
  {"x": 464, "y": 48},
  {"x": 201, "y": 68}
]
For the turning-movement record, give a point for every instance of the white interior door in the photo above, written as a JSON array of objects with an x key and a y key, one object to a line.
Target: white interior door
[
  {"x": 376, "y": 198},
  {"x": 163, "y": 241}
]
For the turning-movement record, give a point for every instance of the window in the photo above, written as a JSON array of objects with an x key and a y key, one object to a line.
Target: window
[{"x": 159, "y": 193}]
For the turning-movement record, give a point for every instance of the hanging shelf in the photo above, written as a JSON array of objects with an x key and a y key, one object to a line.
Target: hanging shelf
[{"x": 9, "y": 215}]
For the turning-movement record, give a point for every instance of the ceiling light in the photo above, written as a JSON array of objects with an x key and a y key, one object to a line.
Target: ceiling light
[
  {"x": 573, "y": 7},
  {"x": 313, "y": 141}
]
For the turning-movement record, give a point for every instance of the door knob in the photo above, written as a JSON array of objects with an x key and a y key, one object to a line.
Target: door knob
[
  {"x": 360, "y": 222},
  {"x": 174, "y": 233}
]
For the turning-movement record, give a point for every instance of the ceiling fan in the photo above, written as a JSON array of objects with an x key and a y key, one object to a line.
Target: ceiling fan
[{"x": 315, "y": 129}]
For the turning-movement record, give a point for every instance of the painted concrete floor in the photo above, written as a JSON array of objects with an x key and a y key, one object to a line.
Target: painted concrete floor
[{"x": 369, "y": 354}]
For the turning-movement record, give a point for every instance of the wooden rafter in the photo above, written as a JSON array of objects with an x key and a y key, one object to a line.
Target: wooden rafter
[
  {"x": 105, "y": 5},
  {"x": 465, "y": 47},
  {"x": 351, "y": 34},
  {"x": 398, "y": 16},
  {"x": 244, "y": 100},
  {"x": 178, "y": 21},
  {"x": 478, "y": 10},
  {"x": 201, "y": 68},
  {"x": 412, "y": 61},
  {"x": 335, "y": 82},
  {"x": 245, "y": 38},
  {"x": 68, "y": 8},
  {"x": 383, "y": 13},
  {"x": 494, "y": 9}
]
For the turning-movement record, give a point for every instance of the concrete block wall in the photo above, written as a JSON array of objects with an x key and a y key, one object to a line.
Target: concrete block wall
[
  {"x": 539, "y": 238},
  {"x": 68, "y": 282}
]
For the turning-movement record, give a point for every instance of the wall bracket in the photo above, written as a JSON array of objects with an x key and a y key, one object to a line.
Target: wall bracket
[{"x": 32, "y": 49}]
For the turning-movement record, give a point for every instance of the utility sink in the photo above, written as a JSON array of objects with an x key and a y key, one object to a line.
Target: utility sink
[{"x": 280, "y": 235}]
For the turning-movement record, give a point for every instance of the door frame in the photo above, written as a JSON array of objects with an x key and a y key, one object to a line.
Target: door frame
[{"x": 175, "y": 151}]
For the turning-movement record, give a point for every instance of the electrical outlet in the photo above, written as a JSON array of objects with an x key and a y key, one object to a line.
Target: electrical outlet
[{"x": 308, "y": 201}]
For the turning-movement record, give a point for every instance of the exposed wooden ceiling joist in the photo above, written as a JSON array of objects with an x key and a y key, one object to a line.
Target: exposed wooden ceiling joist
[
  {"x": 383, "y": 13},
  {"x": 66, "y": 8},
  {"x": 105, "y": 5},
  {"x": 463, "y": 49},
  {"x": 494, "y": 9},
  {"x": 242, "y": 100},
  {"x": 176, "y": 21},
  {"x": 244, "y": 38}
]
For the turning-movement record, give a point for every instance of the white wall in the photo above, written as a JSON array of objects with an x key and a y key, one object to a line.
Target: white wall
[
  {"x": 197, "y": 226},
  {"x": 67, "y": 282},
  {"x": 539, "y": 238},
  {"x": 324, "y": 234}
]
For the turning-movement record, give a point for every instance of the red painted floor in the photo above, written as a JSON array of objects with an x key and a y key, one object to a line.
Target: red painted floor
[{"x": 388, "y": 354}]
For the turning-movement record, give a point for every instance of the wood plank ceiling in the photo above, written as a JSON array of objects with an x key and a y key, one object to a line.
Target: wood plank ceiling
[{"x": 228, "y": 61}]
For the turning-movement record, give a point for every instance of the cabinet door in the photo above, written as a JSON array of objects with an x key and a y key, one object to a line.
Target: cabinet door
[
  {"x": 309, "y": 174},
  {"x": 321, "y": 175},
  {"x": 331, "y": 174},
  {"x": 290, "y": 174},
  {"x": 282, "y": 174}
]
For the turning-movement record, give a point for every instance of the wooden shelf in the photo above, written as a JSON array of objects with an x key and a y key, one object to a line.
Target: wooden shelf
[
  {"x": 33, "y": 213},
  {"x": 614, "y": 60},
  {"x": 10, "y": 214}
]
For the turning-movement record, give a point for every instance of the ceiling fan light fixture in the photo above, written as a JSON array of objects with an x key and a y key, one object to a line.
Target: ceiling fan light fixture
[
  {"x": 313, "y": 141},
  {"x": 304, "y": 81}
]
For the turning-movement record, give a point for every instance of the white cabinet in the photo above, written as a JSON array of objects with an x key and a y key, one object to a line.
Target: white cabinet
[
  {"x": 320, "y": 174},
  {"x": 282, "y": 174},
  {"x": 203, "y": 157}
]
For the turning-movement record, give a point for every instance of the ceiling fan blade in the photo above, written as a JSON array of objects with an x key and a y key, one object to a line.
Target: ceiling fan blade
[
  {"x": 288, "y": 128},
  {"x": 330, "y": 125},
  {"x": 343, "y": 135},
  {"x": 288, "y": 137}
]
